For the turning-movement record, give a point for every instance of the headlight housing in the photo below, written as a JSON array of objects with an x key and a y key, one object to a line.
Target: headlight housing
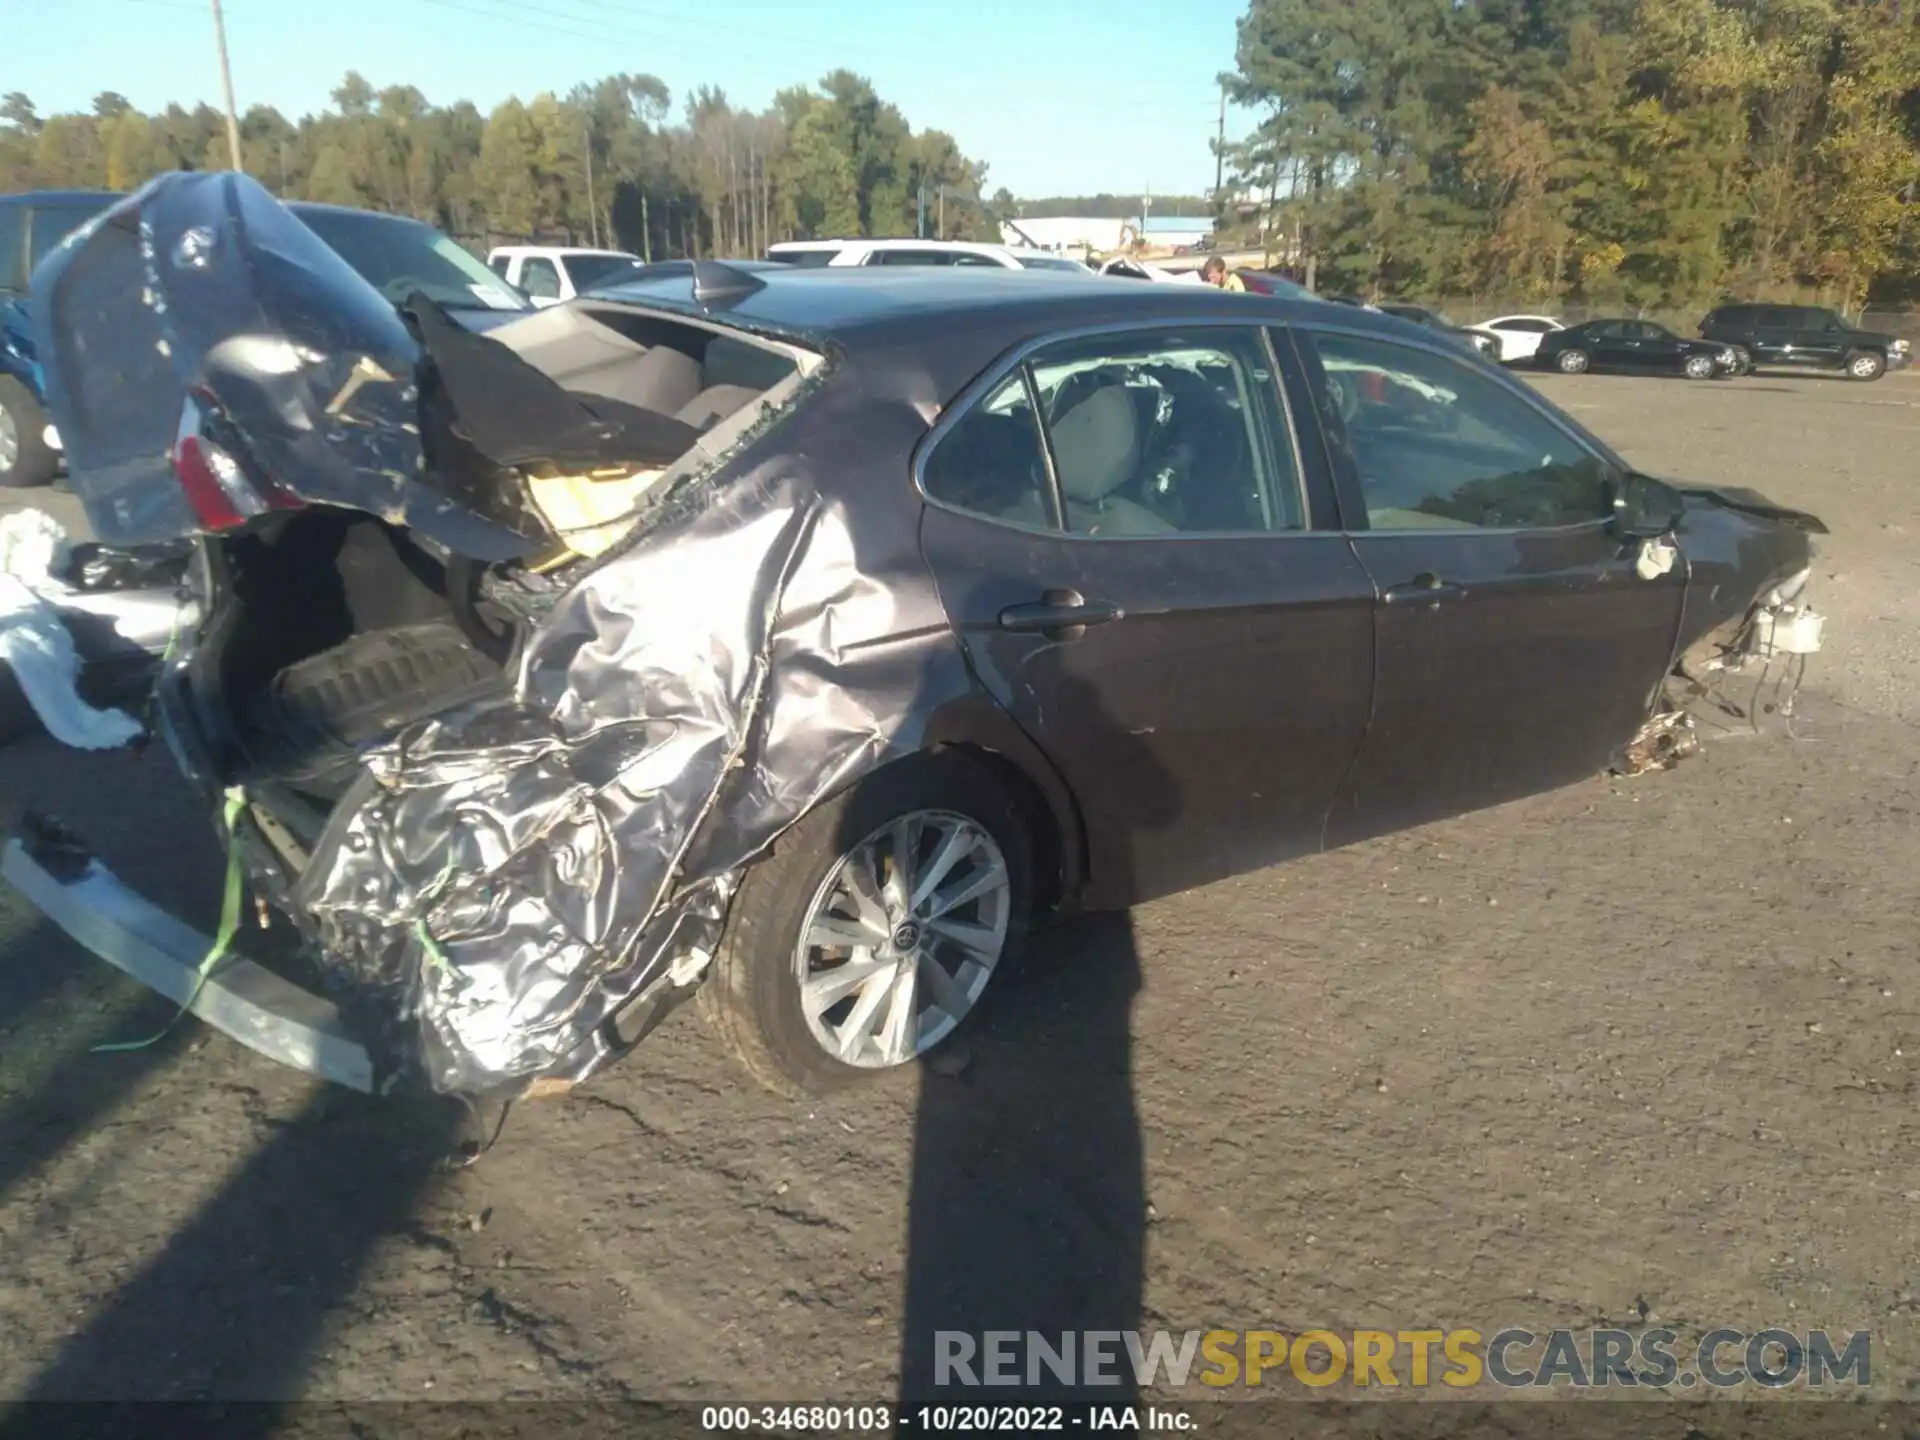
[{"x": 1900, "y": 347}]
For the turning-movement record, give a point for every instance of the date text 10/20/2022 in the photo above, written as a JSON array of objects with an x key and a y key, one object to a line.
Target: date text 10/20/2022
[{"x": 937, "y": 1419}]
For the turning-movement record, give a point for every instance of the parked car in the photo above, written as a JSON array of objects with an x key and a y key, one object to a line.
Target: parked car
[
  {"x": 1517, "y": 336},
  {"x": 1125, "y": 267},
  {"x": 1483, "y": 345},
  {"x": 1639, "y": 345},
  {"x": 399, "y": 256},
  {"x": 30, "y": 226},
  {"x": 550, "y": 274},
  {"x": 1806, "y": 337},
  {"x": 920, "y": 253},
  {"x": 536, "y": 718}
]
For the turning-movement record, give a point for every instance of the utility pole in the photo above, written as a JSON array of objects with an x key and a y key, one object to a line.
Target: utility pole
[
  {"x": 593, "y": 205},
  {"x": 1220, "y": 153},
  {"x": 646, "y": 231},
  {"x": 226, "y": 82}
]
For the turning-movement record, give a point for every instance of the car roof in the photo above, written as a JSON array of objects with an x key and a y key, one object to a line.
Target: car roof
[
  {"x": 973, "y": 315},
  {"x": 562, "y": 250}
]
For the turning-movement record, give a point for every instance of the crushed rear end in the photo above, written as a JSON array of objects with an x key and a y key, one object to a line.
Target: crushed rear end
[{"x": 488, "y": 637}]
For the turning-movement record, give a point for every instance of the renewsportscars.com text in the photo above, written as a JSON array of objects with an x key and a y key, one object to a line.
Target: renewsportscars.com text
[{"x": 1456, "y": 1358}]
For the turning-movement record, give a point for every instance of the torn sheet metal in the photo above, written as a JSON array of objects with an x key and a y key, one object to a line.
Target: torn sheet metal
[{"x": 512, "y": 888}]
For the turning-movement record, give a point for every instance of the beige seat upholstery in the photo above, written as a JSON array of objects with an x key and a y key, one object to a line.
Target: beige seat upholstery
[
  {"x": 1096, "y": 450},
  {"x": 714, "y": 404},
  {"x": 663, "y": 380}
]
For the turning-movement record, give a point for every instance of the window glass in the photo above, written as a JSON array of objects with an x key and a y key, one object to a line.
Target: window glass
[
  {"x": 971, "y": 257},
  {"x": 1166, "y": 434},
  {"x": 803, "y": 259},
  {"x": 1777, "y": 318},
  {"x": 1438, "y": 443},
  {"x": 12, "y": 272},
  {"x": 589, "y": 272},
  {"x": 539, "y": 278},
  {"x": 1641, "y": 330},
  {"x": 992, "y": 463},
  {"x": 53, "y": 223},
  {"x": 910, "y": 257},
  {"x": 499, "y": 264}
]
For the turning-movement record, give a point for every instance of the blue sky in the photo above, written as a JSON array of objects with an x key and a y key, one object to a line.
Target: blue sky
[{"x": 1058, "y": 96}]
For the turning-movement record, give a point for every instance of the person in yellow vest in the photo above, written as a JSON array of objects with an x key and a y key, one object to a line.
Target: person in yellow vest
[{"x": 1215, "y": 272}]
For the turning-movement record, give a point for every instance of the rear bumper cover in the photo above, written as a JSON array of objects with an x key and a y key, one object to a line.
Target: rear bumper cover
[{"x": 241, "y": 999}]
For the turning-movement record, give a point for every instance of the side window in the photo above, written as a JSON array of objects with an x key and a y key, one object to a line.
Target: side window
[
  {"x": 1168, "y": 434},
  {"x": 1775, "y": 318},
  {"x": 12, "y": 252},
  {"x": 539, "y": 279},
  {"x": 993, "y": 462},
  {"x": 910, "y": 257},
  {"x": 969, "y": 257},
  {"x": 499, "y": 264},
  {"x": 1437, "y": 443}
]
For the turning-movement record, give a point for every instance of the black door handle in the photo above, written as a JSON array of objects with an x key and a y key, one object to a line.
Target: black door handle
[
  {"x": 1429, "y": 590},
  {"x": 1059, "y": 615}
]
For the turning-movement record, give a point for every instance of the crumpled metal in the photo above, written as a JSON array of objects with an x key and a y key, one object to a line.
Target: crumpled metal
[{"x": 508, "y": 879}]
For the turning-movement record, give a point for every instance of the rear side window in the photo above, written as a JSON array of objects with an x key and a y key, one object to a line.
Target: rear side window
[
  {"x": 1524, "y": 327},
  {"x": 911, "y": 257},
  {"x": 500, "y": 264},
  {"x": 993, "y": 463},
  {"x": 1777, "y": 317},
  {"x": 802, "y": 259},
  {"x": 1437, "y": 443},
  {"x": 539, "y": 278},
  {"x": 13, "y": 274}
]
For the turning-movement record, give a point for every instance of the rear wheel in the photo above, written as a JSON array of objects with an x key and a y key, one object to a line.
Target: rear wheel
[
  {"x": 1573, "y": 362},
  {"x": 1699, "y": 367},
  {"x": 1866, "y": 365},
  {"x": 865, "y": 940},
  {"x": 26, "y": 460}
]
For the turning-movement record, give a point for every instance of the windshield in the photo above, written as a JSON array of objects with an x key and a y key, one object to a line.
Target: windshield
[
  {"x": 398, "y": 256},
  {"x": 590, "y": 272},
  {"x": 53, "y": 223},
  {"x": 1051, "y": 262}
]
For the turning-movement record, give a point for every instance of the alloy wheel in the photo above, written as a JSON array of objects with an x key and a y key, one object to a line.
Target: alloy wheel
[
  {"x": 902, "y": 937},
  {"x": 1864, "y": 367},
  {"x": 1572, "y": 362},
  {"x": 9, "y": 440}
]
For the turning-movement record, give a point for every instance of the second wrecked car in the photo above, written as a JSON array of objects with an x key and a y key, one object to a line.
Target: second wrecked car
[{"x": 798, "y": 638}]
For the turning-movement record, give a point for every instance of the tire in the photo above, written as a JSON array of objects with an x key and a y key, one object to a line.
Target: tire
[
  {"x": 1866, "y": 365},
  {"x": 1573, "y": 362},
  {"x": 26, "y": 460},
  {"x": 1699, "y": 367},
  {"x": 752, "y": 995}
]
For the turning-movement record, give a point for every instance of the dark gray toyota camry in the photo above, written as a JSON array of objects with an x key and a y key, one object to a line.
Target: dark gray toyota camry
[{"x": 802, "y": 638}]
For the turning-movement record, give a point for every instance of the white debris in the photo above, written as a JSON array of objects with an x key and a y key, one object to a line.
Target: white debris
[{"x": 37, "y": 646}]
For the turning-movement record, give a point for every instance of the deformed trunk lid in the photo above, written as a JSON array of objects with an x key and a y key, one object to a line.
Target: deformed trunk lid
[{"x": 204, "y": 288}]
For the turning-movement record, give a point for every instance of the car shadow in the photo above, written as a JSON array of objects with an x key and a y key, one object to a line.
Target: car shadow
[{"x": 1027, "y": 1211}]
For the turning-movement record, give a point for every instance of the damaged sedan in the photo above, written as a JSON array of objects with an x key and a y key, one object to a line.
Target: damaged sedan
[{"x": 799, "y": 640}]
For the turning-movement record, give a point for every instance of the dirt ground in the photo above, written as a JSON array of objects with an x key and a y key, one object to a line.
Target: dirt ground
[{"x": 1639, "y": 1052}]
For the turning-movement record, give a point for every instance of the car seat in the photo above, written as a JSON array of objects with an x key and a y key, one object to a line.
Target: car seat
[{"x": 1096, "y": 451}]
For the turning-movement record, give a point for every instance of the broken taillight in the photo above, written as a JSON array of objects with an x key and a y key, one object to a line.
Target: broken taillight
[{"x": 221, "y": 493}]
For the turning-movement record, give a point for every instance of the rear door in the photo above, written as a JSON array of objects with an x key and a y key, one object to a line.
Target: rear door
[
  {"x": 1776, "y": 337},
  {"x": 1613, "y": 347},
  {"x": 1656, "y": 347},
  {"x": 1516, "y": 648},
  {"x": 1821, "y": 335},
  {"x": 1147, "y": 579}
]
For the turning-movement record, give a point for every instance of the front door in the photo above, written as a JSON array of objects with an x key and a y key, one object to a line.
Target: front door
[
  {"x": 1517, "y": 648},
  {"x": 1120, "y": 535},
  {"x": 1614, "y": 348}
]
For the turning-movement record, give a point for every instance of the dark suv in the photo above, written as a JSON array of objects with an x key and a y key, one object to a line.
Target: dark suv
[
  {"x": 30, "y": 226},
  {"x": 1805, "y": 336}
]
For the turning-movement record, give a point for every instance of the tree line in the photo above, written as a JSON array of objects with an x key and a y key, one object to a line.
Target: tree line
[
  {"x": 1646, "y": 152},
  {"x": 604, "y": 164}
]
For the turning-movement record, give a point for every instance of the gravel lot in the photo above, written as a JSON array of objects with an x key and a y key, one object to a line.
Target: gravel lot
[{"x": 1639, "y": 1052}]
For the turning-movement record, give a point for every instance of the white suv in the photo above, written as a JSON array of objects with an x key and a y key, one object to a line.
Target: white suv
[
  {"x": 552, "y": 273},
  {"x": 810, "y": 253}
]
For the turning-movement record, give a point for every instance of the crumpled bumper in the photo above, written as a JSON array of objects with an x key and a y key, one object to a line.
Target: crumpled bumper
[{"x": 260, "y": 1009}]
